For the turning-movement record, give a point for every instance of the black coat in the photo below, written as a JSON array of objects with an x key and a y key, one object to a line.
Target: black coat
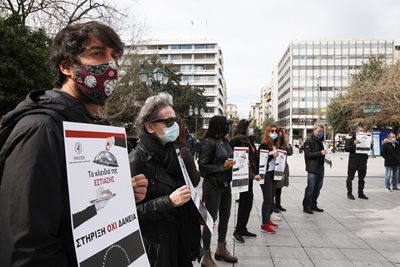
[
  {"x": 357, "y": 161},
  {"x": 212, "y": 156},
  {"x": 391, "y": 153},
  {"x": 312, "y": 154},
  {"x": 35, "y": 220},
  {"x": 168, "y": 232}
]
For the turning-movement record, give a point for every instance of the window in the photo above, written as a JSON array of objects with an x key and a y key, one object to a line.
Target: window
[
  {"x": 199, "y": 46},
  {"x": 175, "y": 46},
  {"x": 176, "y": 57},
  {"x": 186, "y": 46},
  {"x": 163, "y": 57},
  {"x": 210, "y": 46},
  {"x": 187, "y": 57}
]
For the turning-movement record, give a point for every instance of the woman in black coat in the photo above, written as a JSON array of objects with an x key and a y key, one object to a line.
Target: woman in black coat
[
  {"x": 216, "y": 169},
  {"x": 169, "y": 221},
  {"x": 244, "y": 131}
]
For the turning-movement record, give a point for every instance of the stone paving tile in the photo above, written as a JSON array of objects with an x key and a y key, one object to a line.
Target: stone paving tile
[
  {"x": 278, "y": 241},
  {"x": 288, "y": 252},
  {"x": 363, "y": 255},
  {"x": 254, "y": 261},
  {"x": 316, "y": 242},
  {"x": 391, "y": 255},
  {"x": 372, "y": 264},
  {"x": 383, "y": 244},
  {"x": 350, "y": 243},
  {"x": 252, "y": 251},
  {"x": 332, "y": 263},
  {"x": 283, "y": 262},
  {"x": 325, "y": 254}
]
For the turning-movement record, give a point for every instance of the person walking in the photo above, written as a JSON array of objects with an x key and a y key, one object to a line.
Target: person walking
[
  {"x": 314, "y": 156},
  {"x": 391, "y": 153},
  {"x": 270, "y": 142},
  {"x": 357, "y": 163},
  {"x": 35, "y": 224},
  {"x": 215, "y": 165},
  {"x": 244, "y": 131},
  {"x": 284, "y": 141}
]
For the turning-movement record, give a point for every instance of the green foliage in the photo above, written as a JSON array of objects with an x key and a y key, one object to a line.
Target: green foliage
[
  {"x": 23, "y": 62},
  {"x": 339, "y": 114},
  {"x": 370, "y": 72}
]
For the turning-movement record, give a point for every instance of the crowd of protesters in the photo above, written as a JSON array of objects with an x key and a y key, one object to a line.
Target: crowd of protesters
[{"x": 34, "y": 198}]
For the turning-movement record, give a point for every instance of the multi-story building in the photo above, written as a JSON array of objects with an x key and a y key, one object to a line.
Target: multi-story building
[
  {"x": 310, "y": 73},
  {"x": 231, "y": 111},
  {"x": 256, "y": 113},
  {"x": 201, "y": 64}
]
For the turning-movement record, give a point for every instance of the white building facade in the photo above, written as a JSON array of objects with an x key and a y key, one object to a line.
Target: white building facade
[
  {"x": 201, "y": 64},
  {"x": 311, "y": 73},
  {"x": 231, "y": 111}
]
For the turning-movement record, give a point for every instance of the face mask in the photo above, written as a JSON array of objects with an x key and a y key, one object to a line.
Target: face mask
[
  {"x": 273, "y": 136},
  {"x": 227, "y": 129},
  {"x": 97, "y": 81},
  {"x": 170, "y": 133},
  {"x": 394, "y": 140},
  {"x": 250, "y": 131},
  {"x": 319, "y": 134}
]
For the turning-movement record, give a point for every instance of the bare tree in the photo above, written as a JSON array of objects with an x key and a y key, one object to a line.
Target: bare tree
[{"x": 52, "y": 15}]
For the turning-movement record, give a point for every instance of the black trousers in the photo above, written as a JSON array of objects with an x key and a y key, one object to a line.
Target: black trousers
[
  {"x": 245, "y": 206},
  {"x": 278, "y": 193},
  {"x": 357, "y": 163}
]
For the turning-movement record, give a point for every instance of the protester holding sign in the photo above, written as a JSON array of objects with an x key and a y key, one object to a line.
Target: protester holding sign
[
  {"x": 169, "y": 222},
  {"x": 284, "y": 140},
  {"x": 270, "y": 142},
  {"x": 314, "y": 156},
  {"x": 35, "y": 224},
  {"x": 215, "y": 165},
  {"x": 243, "y": 133},
  {"x": 357, "y": 163}
]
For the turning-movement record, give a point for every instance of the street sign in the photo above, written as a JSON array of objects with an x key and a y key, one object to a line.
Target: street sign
[{"x": 371, "y": 109}]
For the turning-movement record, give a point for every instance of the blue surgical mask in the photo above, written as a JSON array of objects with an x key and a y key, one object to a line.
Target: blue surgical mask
[
  {"x": 170, "y": 133},
  {"x": 394, "y": 140},
  {"x": 319, "y": 134},
  {"x": 273, "y": 136},
  {"x": 250, "y": 131}
]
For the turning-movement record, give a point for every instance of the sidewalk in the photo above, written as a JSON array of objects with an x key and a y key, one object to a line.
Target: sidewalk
[{"x": 349, "y": 233}]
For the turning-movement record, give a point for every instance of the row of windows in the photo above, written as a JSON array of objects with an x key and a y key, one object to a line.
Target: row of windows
[
  {"x": 196, "y": 46},
  {"x": 198, "y": 78},
  {"x": 339, "y": 56},
  {"x": 343, "y": 45},
  {"x": 188, "y": 57},
  {"x": 326, "y": 67},
  {"x": 198, "y": 67},
  {"x": 315, "y": 89}
]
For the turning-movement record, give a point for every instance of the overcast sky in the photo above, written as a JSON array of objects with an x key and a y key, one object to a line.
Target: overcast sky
[{"x": 253, "y": 34}]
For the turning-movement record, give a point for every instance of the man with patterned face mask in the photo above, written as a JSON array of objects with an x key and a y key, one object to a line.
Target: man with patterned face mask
[{"x": 35, "y": 225}]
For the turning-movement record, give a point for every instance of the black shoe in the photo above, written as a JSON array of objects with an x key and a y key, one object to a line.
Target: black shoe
[
  {"x": 281, "y": 208},
  {"x": 275, "y": 209},
  {"x": 363, "y": 196},
  {"x": 238, "y": 237},
  {"x": 350, "y": 196},
  {"x": 317, "y": 209},
  {"x": 237, "y": 200},
  {"x": 248, "y": 234},
  {"x": 307, "y": 210}
]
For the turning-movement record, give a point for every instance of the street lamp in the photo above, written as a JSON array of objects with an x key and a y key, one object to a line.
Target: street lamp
[
  {"x": 156, "y": 78},
  {"x": 195, "y": 112}
]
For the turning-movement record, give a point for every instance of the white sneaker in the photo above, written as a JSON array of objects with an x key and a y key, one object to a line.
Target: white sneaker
[{"x": 275, "y": 217}]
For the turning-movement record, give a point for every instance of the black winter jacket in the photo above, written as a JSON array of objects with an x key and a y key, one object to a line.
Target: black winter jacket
[
  {"x": 391, "y": 153},
  {"x": 35, "y": 222},
  {"x": 166, "y": 230},
  {"x": 356, "y": 160},
  {"x": 211, "y": 161},
  {"x": 312, "y": 154}
]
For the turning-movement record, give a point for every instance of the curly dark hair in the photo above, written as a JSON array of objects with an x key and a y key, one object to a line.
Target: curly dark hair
[
  {"x": 242, "y": 127},
  {"x": 70, "y": 42}
]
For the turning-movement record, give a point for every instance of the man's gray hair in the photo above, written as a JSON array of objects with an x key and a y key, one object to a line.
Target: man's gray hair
[
  {"x": 150, "y": 109},
  {"x": 318, "y": 125}
]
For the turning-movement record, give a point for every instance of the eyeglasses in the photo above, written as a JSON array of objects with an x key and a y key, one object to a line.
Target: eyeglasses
[{"x": 168, "y": 121}]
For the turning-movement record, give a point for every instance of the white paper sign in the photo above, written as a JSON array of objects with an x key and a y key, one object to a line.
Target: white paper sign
[
  {"x": 328, "y": 158},
  {"x": 263, "y": 161},
  {"x": 240, "y": 171},
  {"x": 280, "y": 164},
  {"x": 365, "y": 146},
  {"x": 205, "y": 215},
  {"x": 103, "y": 210}
]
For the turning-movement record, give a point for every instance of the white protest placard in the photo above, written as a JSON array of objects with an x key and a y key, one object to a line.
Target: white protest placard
[
  {"x": 104, "y": 220},
  {"x": 205, "y": 215},
  {"x": 280, "y": 164},
  {"x": 263, "y": 161},
  {"x": 240, "y": 171},
  {"x": 364, "y": 147},
  {"x": 328, "y": 158}
]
